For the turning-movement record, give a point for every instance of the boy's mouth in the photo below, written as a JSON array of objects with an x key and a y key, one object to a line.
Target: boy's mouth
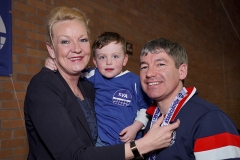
[{"x": 109, "y": 69}]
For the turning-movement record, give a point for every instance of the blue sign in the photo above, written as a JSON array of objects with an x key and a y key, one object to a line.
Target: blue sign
[{"x": 5, "y": 38}]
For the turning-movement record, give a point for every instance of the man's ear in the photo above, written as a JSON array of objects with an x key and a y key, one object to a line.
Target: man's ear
[
  {"x": 94, "y": 62},
  {"x": 183, "y": 69},
  {"x": 125, "y": 60},
  {"x": 50, "y": 50}
]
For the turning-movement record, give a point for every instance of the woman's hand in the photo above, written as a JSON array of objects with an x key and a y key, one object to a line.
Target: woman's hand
[{"x": 157, "y": 137}]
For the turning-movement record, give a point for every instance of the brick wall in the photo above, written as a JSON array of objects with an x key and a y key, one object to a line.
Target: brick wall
[{"x": 202, "y": 27}]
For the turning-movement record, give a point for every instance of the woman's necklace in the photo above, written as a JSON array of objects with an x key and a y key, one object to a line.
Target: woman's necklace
[
  {"x": 80, "y": 96},
  {"x": 77, "y": 95}
]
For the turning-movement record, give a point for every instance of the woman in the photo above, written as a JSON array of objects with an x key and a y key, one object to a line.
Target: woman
[{"x": 59, "y": 112}]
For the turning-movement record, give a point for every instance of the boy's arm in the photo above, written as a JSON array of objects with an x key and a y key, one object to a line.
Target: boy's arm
[
  {"x": 50, "y": 64},
  {"x": 129, "y": 133},
  {"x": 142, "y": 117},
  {"x": 87, "y": 74},
  {"x": 143, "y": 102}
]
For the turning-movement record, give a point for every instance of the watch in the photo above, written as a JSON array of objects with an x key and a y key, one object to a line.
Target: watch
[{"x": 135, "y": 151}]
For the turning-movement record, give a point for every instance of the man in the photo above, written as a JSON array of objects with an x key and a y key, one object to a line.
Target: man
[{"x": 205, "y": 131}]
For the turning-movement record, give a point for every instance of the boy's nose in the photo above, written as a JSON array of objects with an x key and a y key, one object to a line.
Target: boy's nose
[{"x": 109, "y": 61}]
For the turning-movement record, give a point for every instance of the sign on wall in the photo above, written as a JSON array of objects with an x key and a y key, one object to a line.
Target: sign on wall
[
  {"x": 129, "y": 48},
  {"x": 5, "y": 38}
]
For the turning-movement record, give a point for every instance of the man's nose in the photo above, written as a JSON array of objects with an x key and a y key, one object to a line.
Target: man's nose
[{"x": 151, "y": 72}]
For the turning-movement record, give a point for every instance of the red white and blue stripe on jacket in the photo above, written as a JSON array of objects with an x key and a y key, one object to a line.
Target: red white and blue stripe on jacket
[{"x": 205, "y": 133}]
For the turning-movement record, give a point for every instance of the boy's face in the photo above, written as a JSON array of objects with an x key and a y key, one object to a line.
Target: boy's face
[{"x": 110, "y": 59}]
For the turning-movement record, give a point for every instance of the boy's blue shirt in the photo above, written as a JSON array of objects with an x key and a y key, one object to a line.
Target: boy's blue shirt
[{"x": 116, "y": 104}]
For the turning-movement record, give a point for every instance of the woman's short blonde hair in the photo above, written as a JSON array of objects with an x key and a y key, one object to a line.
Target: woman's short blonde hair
[{"x": 59, "y": 14}]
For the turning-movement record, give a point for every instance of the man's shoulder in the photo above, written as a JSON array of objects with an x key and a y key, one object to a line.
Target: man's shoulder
[{"x": 202, "y": 103}]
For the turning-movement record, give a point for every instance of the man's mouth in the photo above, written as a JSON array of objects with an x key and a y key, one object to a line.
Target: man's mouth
[{"x": 153, "y": 83}]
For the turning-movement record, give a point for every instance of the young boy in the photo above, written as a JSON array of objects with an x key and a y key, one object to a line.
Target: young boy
[{"x": 120, "y": 103}]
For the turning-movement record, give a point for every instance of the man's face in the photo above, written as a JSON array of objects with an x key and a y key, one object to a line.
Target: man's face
[{"x": 160, "y": 79}]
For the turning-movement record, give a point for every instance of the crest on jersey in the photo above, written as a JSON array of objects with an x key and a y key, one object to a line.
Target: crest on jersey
[{"x": 122, "y": 97}]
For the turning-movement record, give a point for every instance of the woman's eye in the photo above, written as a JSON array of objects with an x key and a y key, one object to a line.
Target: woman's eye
[
  {"x": 64, "y": 42},
  {"x": 84, "y": 40}
]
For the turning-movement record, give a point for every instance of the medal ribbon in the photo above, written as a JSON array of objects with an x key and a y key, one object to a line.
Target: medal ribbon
[{"x": 181, "y": 99}]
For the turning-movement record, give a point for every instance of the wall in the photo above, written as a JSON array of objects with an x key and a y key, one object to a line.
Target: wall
[{"x": 202, "y": 27}]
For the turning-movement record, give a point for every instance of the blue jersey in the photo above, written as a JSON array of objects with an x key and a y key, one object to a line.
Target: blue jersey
[
  {"x": 205, "y": 132},
  {"x": 116, "y": 104}
]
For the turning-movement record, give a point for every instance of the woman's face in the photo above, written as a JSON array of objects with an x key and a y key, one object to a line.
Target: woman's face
[{"x": 71, "y": 47}]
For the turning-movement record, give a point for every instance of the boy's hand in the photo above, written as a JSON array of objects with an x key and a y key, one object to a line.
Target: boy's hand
[
  {"x": 129, "y": 133},
  {"x": 50, "y": 64}
]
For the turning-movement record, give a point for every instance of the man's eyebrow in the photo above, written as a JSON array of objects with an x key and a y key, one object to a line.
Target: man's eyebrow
[
  {"x": 159, "y": 59},
  {"x": 142, "y": 63},
  {"x": 156, "y": 60}
]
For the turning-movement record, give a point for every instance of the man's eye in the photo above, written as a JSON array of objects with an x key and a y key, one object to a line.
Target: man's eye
[
  {"x": 115, "y": 56},
  {"x": 101, "y": 57},
  {"x": 143, "y": 67},
  {"x": 161, "y": 64}
]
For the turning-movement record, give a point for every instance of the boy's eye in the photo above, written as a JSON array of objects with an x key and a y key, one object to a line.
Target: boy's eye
[
  {"x": 101, "y": 57},
  {"x": 115, "y": 56}
]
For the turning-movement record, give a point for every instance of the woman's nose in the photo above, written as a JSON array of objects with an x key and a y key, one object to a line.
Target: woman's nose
[{"x": 76, "y": 48}]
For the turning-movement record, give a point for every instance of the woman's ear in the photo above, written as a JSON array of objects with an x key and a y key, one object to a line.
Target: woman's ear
[
  {"x": 183, "y": 69},
  {"x": 50, "y": 50}
]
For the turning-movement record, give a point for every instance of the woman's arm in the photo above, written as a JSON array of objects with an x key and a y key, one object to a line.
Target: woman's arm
[{"x": 156, "y": 138}]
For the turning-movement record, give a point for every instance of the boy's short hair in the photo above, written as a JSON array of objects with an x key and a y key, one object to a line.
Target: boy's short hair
[{"x": 106, "y": 38}]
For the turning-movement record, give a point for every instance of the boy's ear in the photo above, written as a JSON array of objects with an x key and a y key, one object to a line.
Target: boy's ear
[
  {"x": 183, "y": 69},
  {"x": 94, "y": 62},
  {"x": 125, "y": 60},
  {"x": 50, "y": 51}
]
